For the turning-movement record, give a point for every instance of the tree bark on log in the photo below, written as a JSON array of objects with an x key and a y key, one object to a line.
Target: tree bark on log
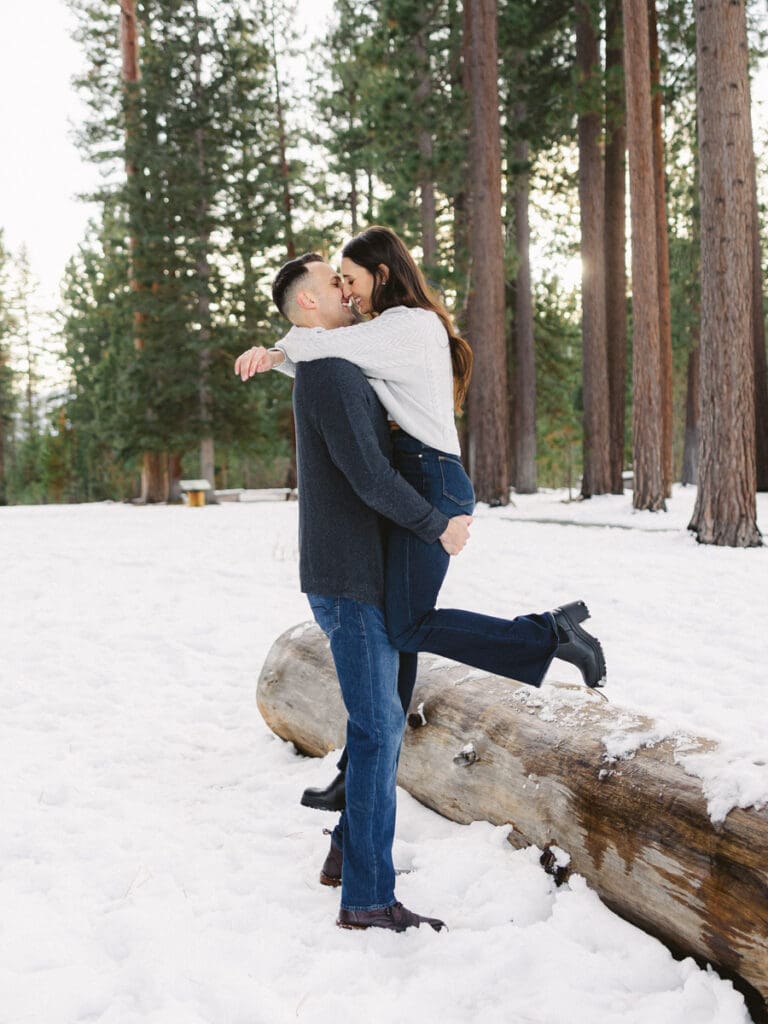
[{"x": 636, "y": 827}]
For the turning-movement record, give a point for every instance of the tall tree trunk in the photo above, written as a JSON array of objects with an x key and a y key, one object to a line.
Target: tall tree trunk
[
  {"x": 525, "y": 351},
  {"x": 725, "y": 511},
  {"x": 758, "y": 341},
  {"x": 369, "y": 194},
  {"x": 4, "y": 413},
  {"x": 648, "y": 471},
  {"x": 488, "y": 420},
  {"x": 427, "y": 205},
  {"x": 459, "y": 80},
  {"x": 690, "y": 471},
  {"x": 615, "y": 239},
  {"x": 25, "y": 335},
  {"x": 174, "y": 477},
  {"x": 596, "y": 477},
  {"x": 154, "y": 486},
  {"x": 354, "y": 200},
  {"x": 290, "y": 244},
  {"x": 662, "y": 252},
  {"x": 282, "y": 141},
  {"x": 203, "y": 273}
]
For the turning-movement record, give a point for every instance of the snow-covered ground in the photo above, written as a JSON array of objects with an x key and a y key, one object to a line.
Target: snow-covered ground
[{"x": 155, "y": 865}]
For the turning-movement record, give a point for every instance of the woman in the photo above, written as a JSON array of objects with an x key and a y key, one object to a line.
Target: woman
[{"x": 419, "y": 367}]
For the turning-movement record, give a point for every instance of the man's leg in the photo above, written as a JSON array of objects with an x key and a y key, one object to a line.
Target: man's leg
[
  {"x": 366, "y": 665},
  {"x": 333, "y": 796}
]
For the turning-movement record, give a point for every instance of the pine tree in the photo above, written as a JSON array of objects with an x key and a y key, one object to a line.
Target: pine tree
[
  {"x": 394, "y": 121},
  {"x": 758, "y": 340},
  {"x": 615, "y": 237},
  {"x": 344, "y": 108},
  {"x": 662, "y": 251},
  {"x": 205, "y": 136},
  {"x": 98, "y": 334},
  {"x": 596, "y": 472},
  {"x": 535, "y": 58},
  {"x": 488, "y": 416},
  {"x": 7, "y": 396},
  {"x": 725, "y": 511},
  {"x": 648, "y": 487}
]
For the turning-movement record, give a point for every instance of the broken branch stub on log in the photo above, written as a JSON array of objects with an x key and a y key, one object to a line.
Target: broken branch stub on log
[{"x": 494, "y": 750}]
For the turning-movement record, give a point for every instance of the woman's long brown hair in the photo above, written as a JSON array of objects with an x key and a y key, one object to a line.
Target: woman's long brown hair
[{"x": 405, "y": 286}]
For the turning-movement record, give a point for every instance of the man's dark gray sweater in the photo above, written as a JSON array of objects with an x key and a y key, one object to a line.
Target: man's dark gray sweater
[{"x": 347, "y": 483}]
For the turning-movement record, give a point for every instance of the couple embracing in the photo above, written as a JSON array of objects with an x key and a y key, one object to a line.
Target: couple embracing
[{"x": 384, "y": 502}]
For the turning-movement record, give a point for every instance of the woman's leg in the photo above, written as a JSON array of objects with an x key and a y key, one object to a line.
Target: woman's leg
[{"x": 520, "y": 648}]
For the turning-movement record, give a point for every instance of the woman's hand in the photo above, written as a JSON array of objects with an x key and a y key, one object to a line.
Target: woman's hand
[
  {"x": 258, "y": 360},
  {"x": 456, "y": 534}
]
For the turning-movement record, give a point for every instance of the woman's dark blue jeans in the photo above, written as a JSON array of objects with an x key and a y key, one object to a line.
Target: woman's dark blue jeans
[{"x": 521, "y": 648}]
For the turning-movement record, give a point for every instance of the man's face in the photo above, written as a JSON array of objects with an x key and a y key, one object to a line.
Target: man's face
[{"x": 324, "y": 286}]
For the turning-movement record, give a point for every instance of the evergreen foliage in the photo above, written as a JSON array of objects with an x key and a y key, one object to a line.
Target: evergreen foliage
[
  {"x": 7, "y": 394},
  {"x": 197, "y": 227},
  {"x": 219, "y": 163}
]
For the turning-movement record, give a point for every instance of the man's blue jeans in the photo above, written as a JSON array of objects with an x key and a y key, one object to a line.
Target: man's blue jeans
[
  {"x": 367, "y": 665},
  {"x": 521, "y": 648}
]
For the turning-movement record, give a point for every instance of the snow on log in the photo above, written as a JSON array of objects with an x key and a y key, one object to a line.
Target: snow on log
[{"x": 635, "y": 826}]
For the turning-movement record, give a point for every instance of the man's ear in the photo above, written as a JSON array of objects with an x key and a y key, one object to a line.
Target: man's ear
[
  {"x": 305, "y": 300},
  {"x": 384, "y": 271}
]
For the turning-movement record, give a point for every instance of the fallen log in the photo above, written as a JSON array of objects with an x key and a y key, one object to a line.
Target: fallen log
[{"x": 479, "y": 747}]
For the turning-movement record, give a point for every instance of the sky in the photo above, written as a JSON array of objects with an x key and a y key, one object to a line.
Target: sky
[{"x": 42, "y": 174}]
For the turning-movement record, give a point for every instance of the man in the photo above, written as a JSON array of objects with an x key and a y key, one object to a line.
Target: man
[{"x": 346, "y": 484}]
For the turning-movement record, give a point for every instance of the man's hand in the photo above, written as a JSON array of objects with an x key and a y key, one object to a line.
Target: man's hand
[
  {"x": 456, "y": 534},
  {"x": 257, "y": 360}
]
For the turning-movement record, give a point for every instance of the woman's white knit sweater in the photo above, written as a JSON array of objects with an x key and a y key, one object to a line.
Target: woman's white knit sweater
[{"x": 405, "y": 354}]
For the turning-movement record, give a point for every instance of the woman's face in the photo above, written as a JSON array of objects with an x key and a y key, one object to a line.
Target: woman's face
[{"x": 357, "y": 285}]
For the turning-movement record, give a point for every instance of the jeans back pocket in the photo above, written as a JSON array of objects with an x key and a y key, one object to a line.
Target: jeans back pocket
[{"x": 457, "y": 487}]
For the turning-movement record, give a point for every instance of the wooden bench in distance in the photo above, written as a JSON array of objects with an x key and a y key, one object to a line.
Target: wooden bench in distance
[
  {"x": 194, "y": 491},
  {"x": 635, "y": 827}
]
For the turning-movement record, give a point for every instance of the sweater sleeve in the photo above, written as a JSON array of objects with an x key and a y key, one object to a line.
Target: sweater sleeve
[
  {"x": 351, "y": 438},
  {"x": 288, "y": 367},
  {"x": 390, "y": 347}
]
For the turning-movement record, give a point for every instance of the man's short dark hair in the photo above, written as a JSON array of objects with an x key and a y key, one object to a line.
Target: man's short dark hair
[{"x": 289, "y": 274}]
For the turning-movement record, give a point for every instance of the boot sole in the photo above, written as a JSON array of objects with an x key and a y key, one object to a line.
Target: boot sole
[
  {"x": 597, "y": 648},
  {"x": 365, "y": 927},
  {"x": 320, "y": 805},
  {"x": 330, "y": 880}
]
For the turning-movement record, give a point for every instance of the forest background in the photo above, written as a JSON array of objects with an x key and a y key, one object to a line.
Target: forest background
[{"x": 217, "y": 157}]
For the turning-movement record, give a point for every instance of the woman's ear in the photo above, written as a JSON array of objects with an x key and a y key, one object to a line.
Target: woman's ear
[{"x": 384, "y": 272}]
